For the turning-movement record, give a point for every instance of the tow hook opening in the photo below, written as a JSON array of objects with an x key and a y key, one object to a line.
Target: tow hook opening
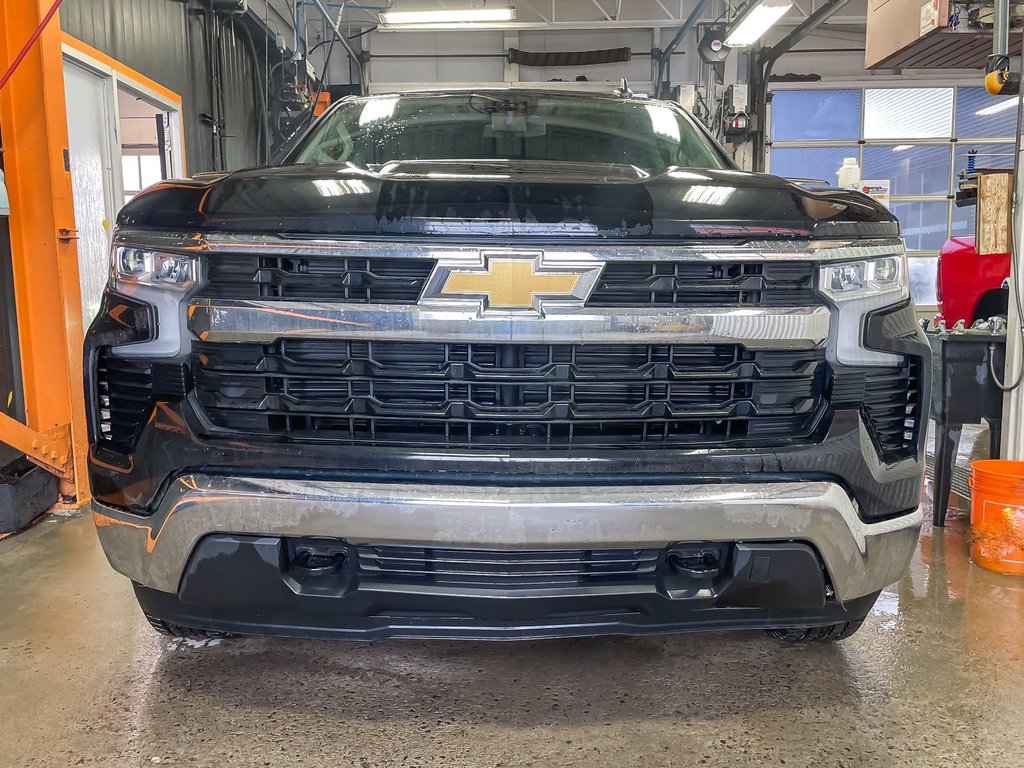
[
  {"x": 695, "y": 562},
  {"x": 317, "y": 557}
]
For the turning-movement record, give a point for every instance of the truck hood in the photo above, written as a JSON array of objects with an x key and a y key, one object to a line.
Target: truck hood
[{"x": 506, "y": 198}]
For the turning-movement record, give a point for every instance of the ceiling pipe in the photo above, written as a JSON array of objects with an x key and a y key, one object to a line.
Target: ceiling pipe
[
  {"x": 802, "y": 30},
  {"x": 1001, "y": 28},
  {"x": 761, "y": 63},
  {"x": 664, "y": 56},
  {"x": 339, "y": 37}
]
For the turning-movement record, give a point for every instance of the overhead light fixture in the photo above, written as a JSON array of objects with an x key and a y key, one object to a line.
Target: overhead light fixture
[
  {"x": 434, "y": 18},
  {"x": 902, "y": 147},
  {"x": 757, "y": 19},
  {"x": 995, "y": 109}
]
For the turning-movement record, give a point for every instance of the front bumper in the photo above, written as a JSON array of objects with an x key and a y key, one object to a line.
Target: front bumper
[{"x": 242, "y": 581}]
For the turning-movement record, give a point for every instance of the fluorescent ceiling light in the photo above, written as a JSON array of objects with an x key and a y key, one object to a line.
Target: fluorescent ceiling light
[
  {"x": 378, "y": 109},
  {"x": 995, "y": 109},
  {"x": 688, "y": 175},
  {"x": 465, "y": 16},
  {"x": 902, "y": 147},
  {"x": 702, "y": 194},
  {"x": 753, "y": 23},
  {"x": 473, "y": 176},
  {"x": 340, "y": 187}
]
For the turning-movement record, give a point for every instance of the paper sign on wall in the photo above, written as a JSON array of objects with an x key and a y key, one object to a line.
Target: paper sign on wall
[
  {"x": 929, "y": 16},
  {"x": 878, "y": 189}
]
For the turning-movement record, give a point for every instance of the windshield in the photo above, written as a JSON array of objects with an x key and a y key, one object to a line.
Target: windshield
[{"x": 508, "y": 126}]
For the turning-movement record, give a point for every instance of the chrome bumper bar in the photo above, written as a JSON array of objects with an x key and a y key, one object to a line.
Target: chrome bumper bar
[
  {"x": 861, "y": 558},
  {"x": 265, "y": 321},
  {"x": 404, "y": 247}
]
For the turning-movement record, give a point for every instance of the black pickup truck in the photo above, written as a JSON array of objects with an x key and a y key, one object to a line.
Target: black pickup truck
[{"x": 506, "y": 364}]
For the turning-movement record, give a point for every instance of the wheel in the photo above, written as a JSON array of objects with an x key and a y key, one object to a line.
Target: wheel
[
  {"x": 177, "y": 630},
  {"x": 995, "y": 303},
  {"x": 826, "y": 634}
]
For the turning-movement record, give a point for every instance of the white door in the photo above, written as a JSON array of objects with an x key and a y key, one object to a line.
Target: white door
[{"x": 92, "y": 140}]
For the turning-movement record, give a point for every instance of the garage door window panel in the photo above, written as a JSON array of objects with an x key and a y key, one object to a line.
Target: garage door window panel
[
  {"x": 923, "y": 270},
  {"x": 816, "y": 115},
  {"x": 908, "y": 113},
  {"x": 988, "y": 155},
  {"x": 981, "y": 116},
  {"x": 912, "y": 170},
  {"x": 924, "y": 224},
  {"x": 819, "y": 163},
  {"x": 963, "y": 224}
]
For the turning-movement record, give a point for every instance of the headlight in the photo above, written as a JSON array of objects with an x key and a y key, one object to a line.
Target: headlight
[
  {"x": 851, "y": 280},
  {"x": 161, "y": 270},
  {"x": 855, "y": 289},
  {"x": 161, "y": 280}
]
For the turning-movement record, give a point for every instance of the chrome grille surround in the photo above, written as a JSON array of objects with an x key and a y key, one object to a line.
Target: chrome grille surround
[{"x": 217, "y": 321}]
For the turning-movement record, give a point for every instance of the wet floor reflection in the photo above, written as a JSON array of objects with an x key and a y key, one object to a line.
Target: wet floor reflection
[
  {"x": 944, "y": 586},
  {"x": 935, "y": 678}
]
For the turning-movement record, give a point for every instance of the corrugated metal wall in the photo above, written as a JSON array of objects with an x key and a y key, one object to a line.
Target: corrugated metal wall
[{"x": 167, "y": 41}]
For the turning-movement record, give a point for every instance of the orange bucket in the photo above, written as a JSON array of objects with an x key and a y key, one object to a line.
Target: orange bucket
[{"x": 997, "y": 515}]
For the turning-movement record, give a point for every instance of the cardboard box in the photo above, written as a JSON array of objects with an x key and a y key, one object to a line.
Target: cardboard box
[{"x": 895, "y": 25}]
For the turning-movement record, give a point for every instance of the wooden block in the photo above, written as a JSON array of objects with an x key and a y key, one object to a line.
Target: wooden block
[{"x": 994, "y": 214}]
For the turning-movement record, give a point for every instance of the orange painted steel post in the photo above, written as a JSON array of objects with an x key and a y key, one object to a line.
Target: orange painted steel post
[{"x": 33, "y": 126}]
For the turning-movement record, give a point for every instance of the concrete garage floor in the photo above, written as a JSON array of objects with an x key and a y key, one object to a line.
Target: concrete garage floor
[{"x": 936, "y": 678}]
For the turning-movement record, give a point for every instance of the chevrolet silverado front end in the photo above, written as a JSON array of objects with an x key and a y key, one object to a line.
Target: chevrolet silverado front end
[{"x": 506, "y": 364}]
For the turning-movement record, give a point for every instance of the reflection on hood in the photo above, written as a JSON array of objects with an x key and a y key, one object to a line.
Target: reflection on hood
[{"x": 508, "y": 198}]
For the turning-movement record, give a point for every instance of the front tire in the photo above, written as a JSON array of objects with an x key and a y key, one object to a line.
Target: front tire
[{"x": 826, "y": 634}]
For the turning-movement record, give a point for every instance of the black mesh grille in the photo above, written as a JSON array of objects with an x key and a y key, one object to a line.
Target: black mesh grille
[
  {"x": 506, "y": 570},
  {"x": 124, "y": 389},
  {"x": 529, "y": 395},
  {"x": 697, "y": 284},
  {"x": 401, "y": 281},
  {"x": 320, "y": 278},
  {"x": 891, "y": 402}
]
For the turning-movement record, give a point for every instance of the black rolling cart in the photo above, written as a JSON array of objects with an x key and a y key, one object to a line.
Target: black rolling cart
[{"x": 963, "y": 392}]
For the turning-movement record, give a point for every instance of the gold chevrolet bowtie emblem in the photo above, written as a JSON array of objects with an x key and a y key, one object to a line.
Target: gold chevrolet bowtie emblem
[
  {"x": 511, "y": 283},
  {"x": 506, "y": 281}
]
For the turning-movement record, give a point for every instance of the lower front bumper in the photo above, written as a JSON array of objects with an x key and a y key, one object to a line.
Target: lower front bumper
[
  {"x": 160, "y": 552},
  {"x": 255, "y": 609}
]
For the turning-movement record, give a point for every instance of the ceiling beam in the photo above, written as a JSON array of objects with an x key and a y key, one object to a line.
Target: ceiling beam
[
  {"x": 545, "y": 19},
  {"x": 668, "y": 13},
  {"x": 604, "y": 13}
]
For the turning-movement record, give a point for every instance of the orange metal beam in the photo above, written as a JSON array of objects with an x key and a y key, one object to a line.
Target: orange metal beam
[
  {"x": 33, "y": 126},
  {"x": 50, "y": 449}
]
